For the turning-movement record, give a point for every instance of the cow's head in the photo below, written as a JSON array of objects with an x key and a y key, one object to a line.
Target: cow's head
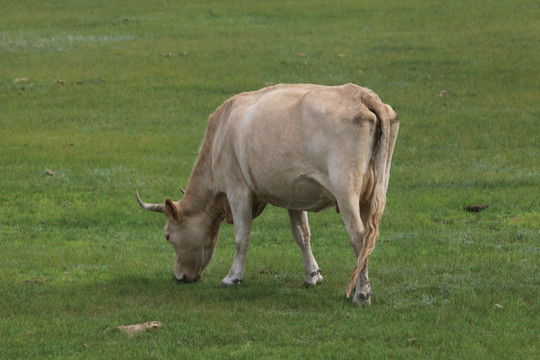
[{"x": 192, "y": 235}]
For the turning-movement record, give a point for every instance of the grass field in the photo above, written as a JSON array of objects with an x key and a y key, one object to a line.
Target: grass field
[{"x": 111, "y": 96}]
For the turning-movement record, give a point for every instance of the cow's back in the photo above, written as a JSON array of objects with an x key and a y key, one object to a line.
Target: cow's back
[{"x": 287, "y": 142}]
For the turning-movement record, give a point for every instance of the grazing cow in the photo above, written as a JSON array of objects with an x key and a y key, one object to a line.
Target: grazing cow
[{"x": 300, "y": 147}]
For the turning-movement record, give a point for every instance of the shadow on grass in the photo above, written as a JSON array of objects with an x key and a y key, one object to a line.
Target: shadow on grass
[{"x": 136, "y": 296}]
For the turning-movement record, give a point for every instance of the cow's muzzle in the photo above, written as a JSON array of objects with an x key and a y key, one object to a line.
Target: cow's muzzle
[{"x": 187, "y": 278}]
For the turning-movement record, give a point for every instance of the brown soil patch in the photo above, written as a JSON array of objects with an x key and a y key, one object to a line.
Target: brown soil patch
[{"x": 133, "y": 329}]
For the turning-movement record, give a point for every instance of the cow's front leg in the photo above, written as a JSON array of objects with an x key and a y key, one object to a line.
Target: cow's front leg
[
  {"x": 241, "y": 207},
  {"x": 302, "y": 235}
]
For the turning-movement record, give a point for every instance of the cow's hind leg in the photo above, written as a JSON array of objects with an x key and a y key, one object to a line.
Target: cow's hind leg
[
  {"x": 350, "y": 212},
  {"x": 241, "y": 207},
  {"x": 302, "y": 235},
  {"x": 362, "y": 294}
]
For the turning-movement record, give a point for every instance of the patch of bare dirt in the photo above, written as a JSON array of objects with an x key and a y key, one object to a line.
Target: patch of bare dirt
[
  {"x": 267, "y": 272},
  {"x": 136, "y": 328},
  {"x": 476, "y": 208}
]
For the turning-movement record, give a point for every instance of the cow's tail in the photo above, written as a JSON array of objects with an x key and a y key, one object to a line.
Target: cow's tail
[{"x": 378, "y": 199}]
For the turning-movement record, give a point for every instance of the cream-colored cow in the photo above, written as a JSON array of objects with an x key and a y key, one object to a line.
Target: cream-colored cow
[{"x": 300, "y": 147}]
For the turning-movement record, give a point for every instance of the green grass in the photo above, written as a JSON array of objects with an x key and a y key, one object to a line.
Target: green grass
[{"x": 78, "y": 257}]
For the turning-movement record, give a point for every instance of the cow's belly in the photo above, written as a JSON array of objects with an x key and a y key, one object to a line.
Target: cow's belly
[{"x": 301, "y": 193}]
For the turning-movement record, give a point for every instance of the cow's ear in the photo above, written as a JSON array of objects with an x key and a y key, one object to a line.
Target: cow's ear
[{"x": 171, "y": 210}]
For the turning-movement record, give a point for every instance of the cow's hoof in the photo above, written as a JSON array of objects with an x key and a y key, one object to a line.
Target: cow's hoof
[
  {"x": 313, "y": 279},
  {"x": 365, "y": 302},
  {"x": 227, "y": 284},
  {"x": 309, "y": 284},
  {"x": 362, "y": 299}
]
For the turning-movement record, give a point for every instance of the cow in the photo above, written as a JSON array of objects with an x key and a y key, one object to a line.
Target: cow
[{"x": 301, "y": 147}]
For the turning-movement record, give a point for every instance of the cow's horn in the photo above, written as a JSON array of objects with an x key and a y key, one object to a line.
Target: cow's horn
[{"x": 151, "y": 207}]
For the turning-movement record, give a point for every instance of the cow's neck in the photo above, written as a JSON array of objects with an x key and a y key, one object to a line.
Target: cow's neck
[{"x": 200, "y": 193}]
